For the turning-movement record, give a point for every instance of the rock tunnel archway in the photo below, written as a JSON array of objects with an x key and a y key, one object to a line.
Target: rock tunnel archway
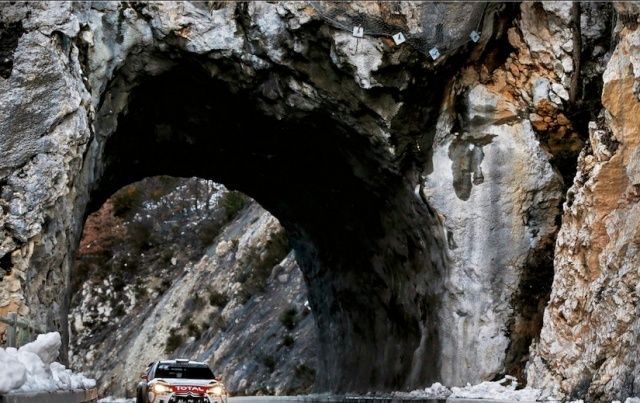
[
  {"x": 367, "y": 245},
  {"x": 334, "y": 134}
]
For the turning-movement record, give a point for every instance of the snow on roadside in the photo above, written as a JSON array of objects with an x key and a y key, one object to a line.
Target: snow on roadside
[
  {"x": 435, "y": 391},
  {"x": 110, "y": 399},
  {"x": 32, "y": 368},
  {"x": 485, "y": 390},
  {"x": 497, "y": 391}
]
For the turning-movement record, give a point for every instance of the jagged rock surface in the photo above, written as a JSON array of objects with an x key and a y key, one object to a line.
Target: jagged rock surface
[
  {"x": 589, "y": 342},
  {"x": 400, "y": 295}
]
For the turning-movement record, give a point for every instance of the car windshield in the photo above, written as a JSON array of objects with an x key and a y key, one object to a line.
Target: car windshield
[{"x": 187, "y": 371}]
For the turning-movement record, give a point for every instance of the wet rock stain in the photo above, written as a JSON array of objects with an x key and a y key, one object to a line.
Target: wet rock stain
[{"x": 466, "y": 155}]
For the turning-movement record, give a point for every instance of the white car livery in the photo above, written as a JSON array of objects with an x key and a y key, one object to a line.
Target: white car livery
[{"x": 180, "y": 381}]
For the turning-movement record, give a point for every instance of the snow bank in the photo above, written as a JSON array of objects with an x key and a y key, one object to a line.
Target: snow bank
[
  {"x": 504, "y": 389},
  {"x": 497, "y": 391},
  {"x": 12, "y": 373},
  {"x": 485, "y": 390},
  {"x": 32, "y": 368},
  {"x": 435, "y": 391}
]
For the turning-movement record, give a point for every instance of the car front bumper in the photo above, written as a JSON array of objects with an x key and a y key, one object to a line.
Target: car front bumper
[{"x": 189, "y": 399}]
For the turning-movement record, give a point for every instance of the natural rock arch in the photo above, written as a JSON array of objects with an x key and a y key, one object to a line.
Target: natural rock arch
[
  {"x": 377, "y": 112},
  {"x": 306, "y": 140},
  {"x": 369, "y": 247}
]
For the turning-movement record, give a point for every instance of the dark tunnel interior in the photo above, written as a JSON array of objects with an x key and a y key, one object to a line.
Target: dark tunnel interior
[
  {"x": 359, "y": 232},
  {"x": 307, "y": 169}
]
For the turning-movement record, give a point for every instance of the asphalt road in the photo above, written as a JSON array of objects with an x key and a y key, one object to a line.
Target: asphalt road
[
  {"x": 309, "y": 399},
  {"x": 331, "y": 399},
  {"x": 300, "y": 399}
]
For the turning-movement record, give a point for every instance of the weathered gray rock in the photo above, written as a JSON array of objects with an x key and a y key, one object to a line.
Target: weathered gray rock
[
  {"x": 402, "y": 295},
  {"x": 498, "y": 196}
]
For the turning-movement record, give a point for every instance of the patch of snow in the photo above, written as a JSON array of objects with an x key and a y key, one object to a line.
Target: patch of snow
[
  {"x": 497, "y": 391},
  {"x": 32, "y": 368},
  {"x": 12, "y": 373},
  {"x": 110, "y": 399},
  {"x": 435, "y": 391},
  {"x": 45, "y": 347}
]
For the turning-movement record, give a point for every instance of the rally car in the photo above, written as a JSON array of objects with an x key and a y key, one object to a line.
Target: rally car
[{"x": 180, "y": 381}]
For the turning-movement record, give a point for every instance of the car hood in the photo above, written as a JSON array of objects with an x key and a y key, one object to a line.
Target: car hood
[{"x": 186, "y": 381}]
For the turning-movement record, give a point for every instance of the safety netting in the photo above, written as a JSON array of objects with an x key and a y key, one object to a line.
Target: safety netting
[{"x": 432, "y": 28}]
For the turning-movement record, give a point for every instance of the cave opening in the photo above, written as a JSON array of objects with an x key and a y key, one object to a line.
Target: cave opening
[
  {"x": 185, "y": 124},
  {"x": 353, "y": 220}
]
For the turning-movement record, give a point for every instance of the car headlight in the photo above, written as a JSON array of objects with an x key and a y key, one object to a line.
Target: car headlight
[
  {"x": 217, "y": 390},
  {"x": 161, "y": 389}
]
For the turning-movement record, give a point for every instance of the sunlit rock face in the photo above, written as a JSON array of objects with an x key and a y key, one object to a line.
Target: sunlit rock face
[
  {"x": 498, "y": 195},
  {"x": 589, "y": 343},
  {"x": 421, "y": 196}
]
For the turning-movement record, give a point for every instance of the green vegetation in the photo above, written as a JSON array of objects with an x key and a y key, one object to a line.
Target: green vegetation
[
  {"x": 131, "y": 197},
  {"x": 194, "y": 330},
  {"x": 126, "y": 199},
  {"x": 118, "y": 283},
  {"x": 208, "y": 230},
  {"x": 232, "y": 202},
  {"x": 305, "y": 374},
  {"x": 289, "y": 318},
  {"x": 217, "y": 322},
  {"x": 218, "y": 299},
  {"x": 140, "y": 290},
  {"x": 288, "y": 340},
  {"x": 174, "y": 341},
  {"x": 118, "y": 310},
  {"x": 258, "y": 266},
  {"x": 164, "y": 285},
  {"x": 142, "y": 235},
  {"x": 269, "y": 361}
]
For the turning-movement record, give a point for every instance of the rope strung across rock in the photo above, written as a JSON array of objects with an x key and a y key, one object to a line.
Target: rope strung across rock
[{"x": 433, "y": 41}]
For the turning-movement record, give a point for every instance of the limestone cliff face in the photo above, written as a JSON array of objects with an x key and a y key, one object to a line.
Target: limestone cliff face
[
  {"x": 589, "y": 343},
  {"x": 421, "y": 193}
]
